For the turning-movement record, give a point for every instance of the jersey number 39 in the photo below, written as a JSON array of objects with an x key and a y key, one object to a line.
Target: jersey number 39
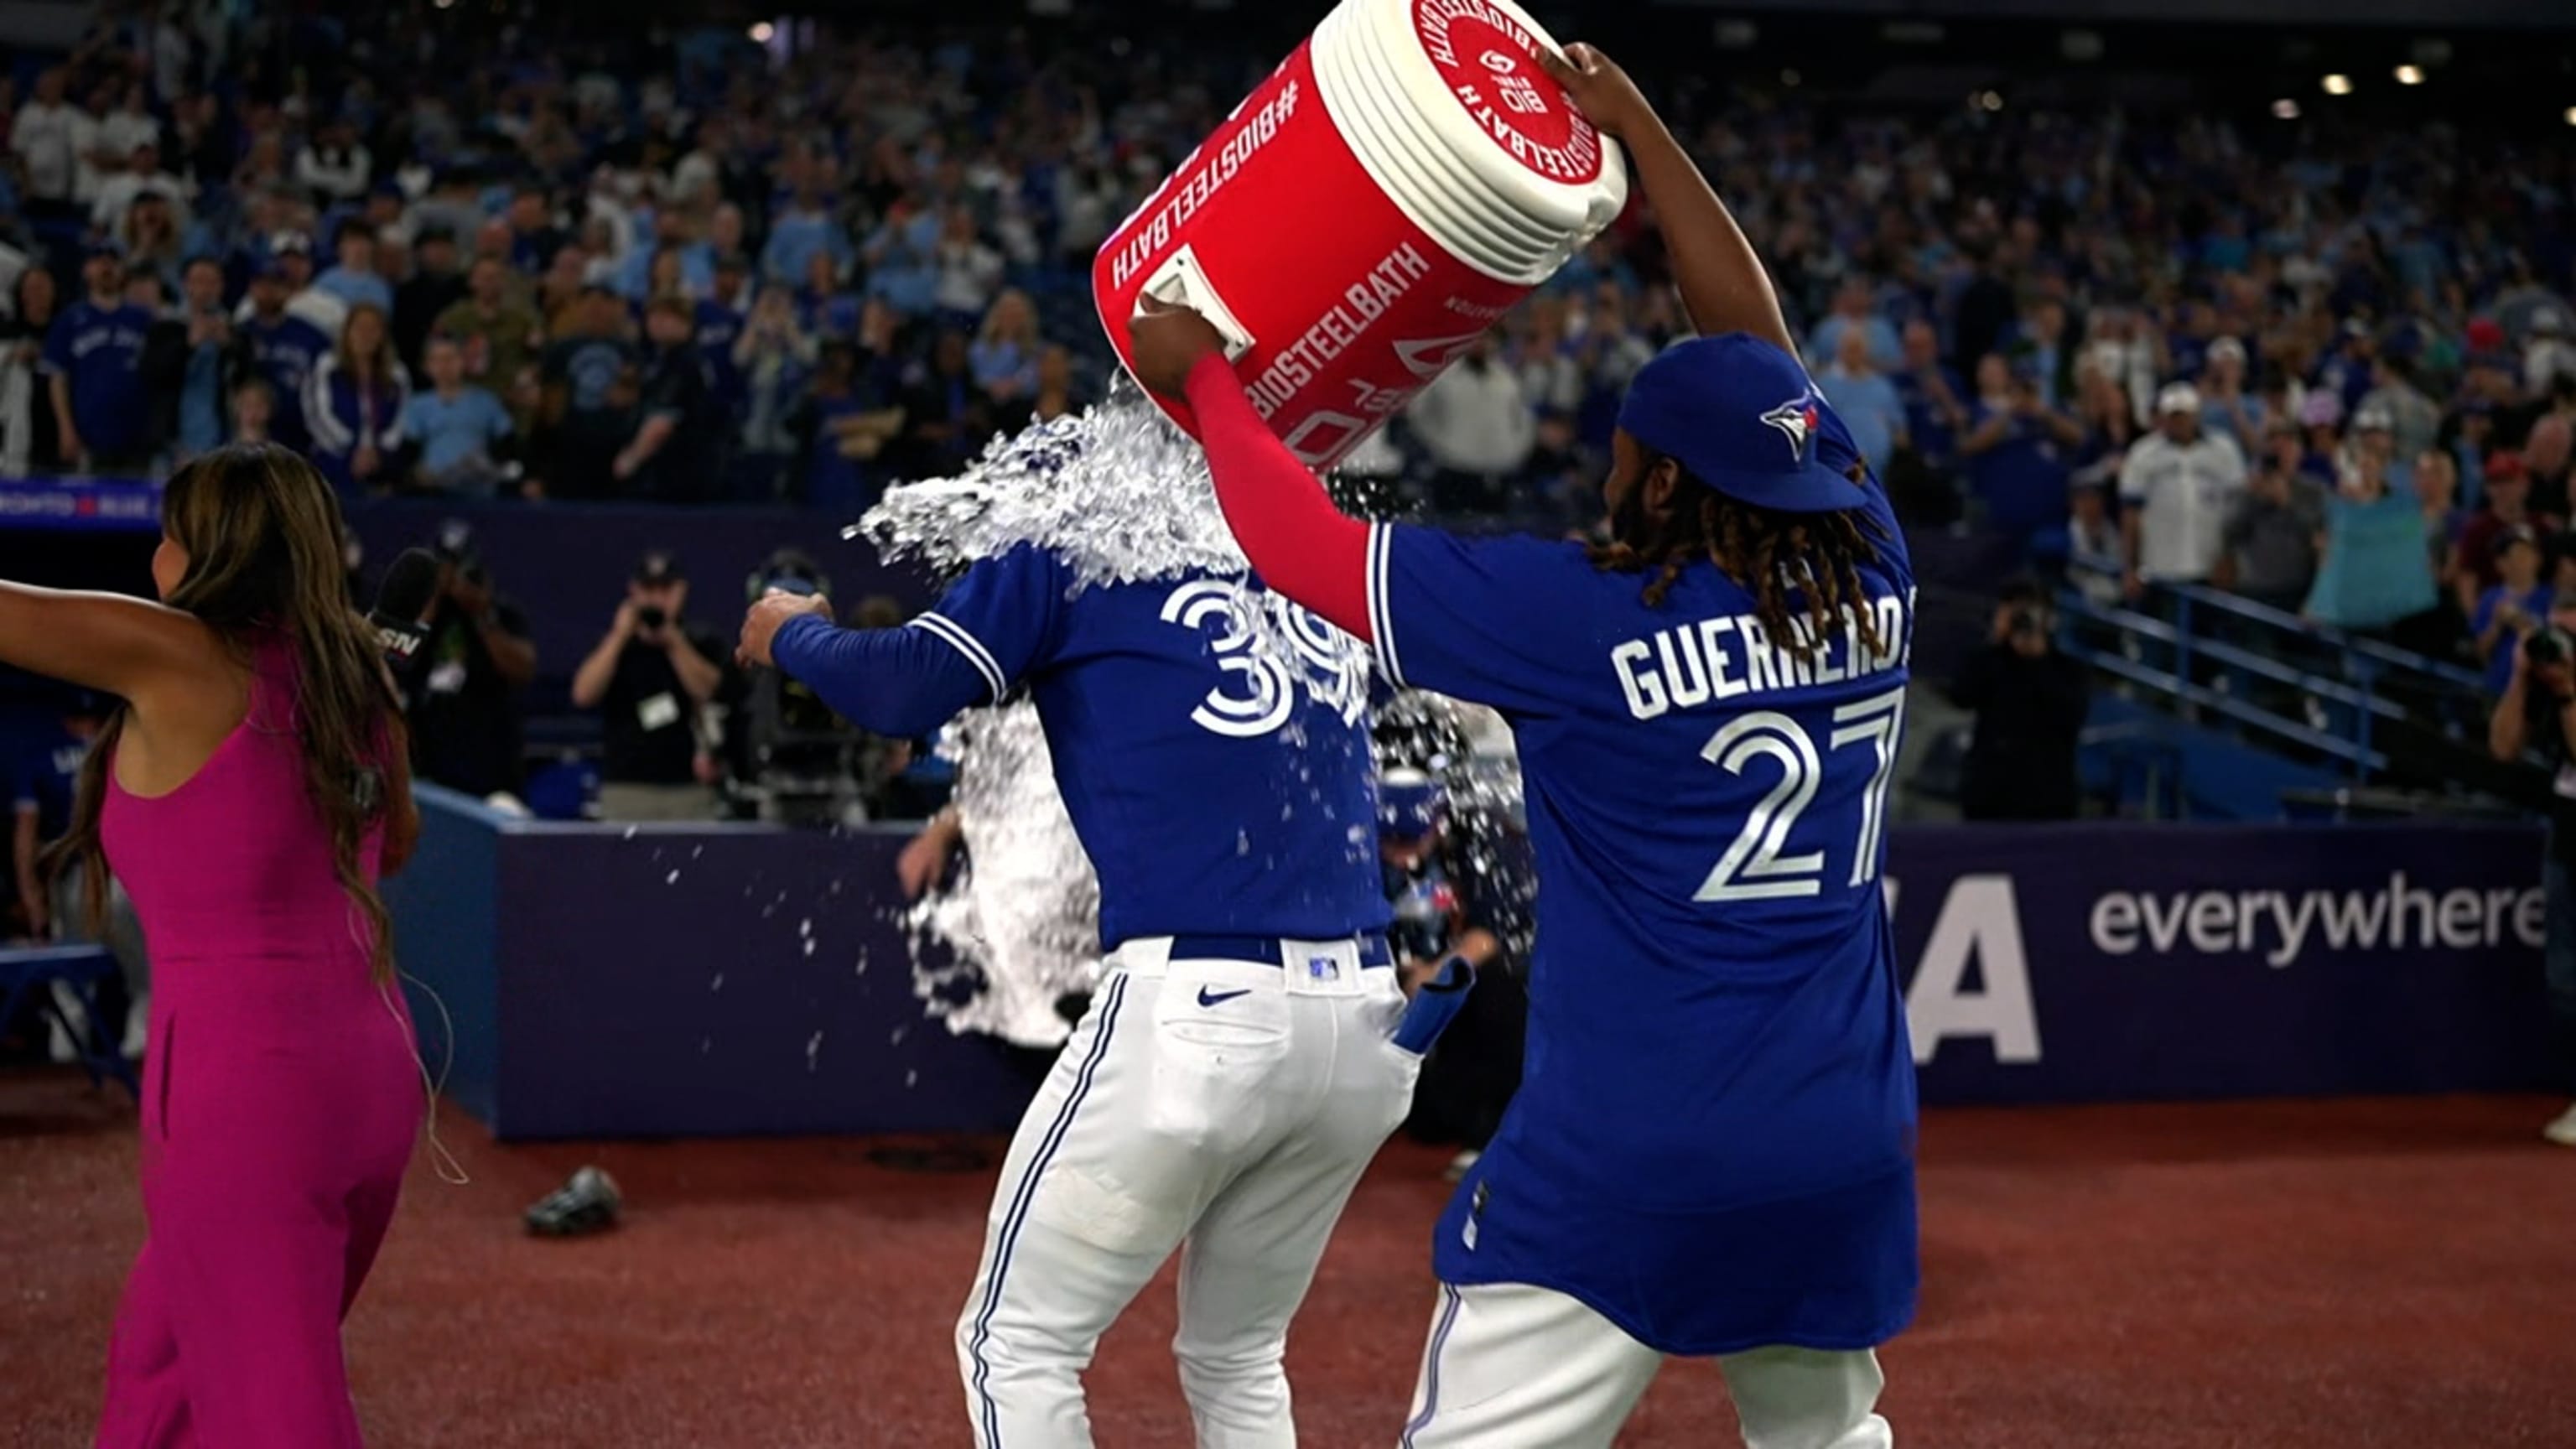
[{"x": 1753, "y": 869}]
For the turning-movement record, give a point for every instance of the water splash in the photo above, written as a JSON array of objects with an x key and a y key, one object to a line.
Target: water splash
[
  {"x": 1021, "y": 921},
  {"x": 1116, "y": 491},
  {"x": 1121, "y": 496}
]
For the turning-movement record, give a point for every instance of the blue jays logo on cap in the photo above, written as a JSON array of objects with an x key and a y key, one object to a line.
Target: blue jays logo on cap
[
  {"x": 1694, "y": 403},
  {"x": 1796, "y": 420}
]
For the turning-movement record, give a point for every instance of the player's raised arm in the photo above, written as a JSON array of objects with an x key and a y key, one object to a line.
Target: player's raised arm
[
  {"x": 970, "y": 649},
  {"x": 1294, "y": 538},
  {"x": 1722, "y": 283}
]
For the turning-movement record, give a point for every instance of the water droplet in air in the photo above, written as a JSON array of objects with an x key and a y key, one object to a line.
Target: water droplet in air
[
  {"x": 813, "y": 1049},
  {"x": 716, "y": 983},
  {"x": 630, "y": 832},
  {"x": 672, "y": 879}
]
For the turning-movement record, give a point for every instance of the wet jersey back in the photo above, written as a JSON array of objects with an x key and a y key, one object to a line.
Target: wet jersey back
[
  {"x": 1209, "y": 737},
  {"x": 1717, "y": 1048}
]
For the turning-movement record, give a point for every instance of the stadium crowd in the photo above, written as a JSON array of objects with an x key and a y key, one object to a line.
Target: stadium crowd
[{"x": 2331, "y": 369}]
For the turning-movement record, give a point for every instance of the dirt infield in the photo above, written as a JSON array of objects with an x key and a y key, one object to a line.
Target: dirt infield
[{"x": 2329, "y": 1274}]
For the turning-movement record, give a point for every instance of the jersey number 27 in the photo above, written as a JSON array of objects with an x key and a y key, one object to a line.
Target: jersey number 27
[{"x": 1753, "y": 869}]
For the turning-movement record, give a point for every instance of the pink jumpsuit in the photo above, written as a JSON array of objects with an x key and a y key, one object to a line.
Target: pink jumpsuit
[{"x": 280, "y": 1103}]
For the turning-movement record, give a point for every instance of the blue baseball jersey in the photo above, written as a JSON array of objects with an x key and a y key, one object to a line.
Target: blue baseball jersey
[
  {"x": 1210, "y": 740},
  {"x": 100, "y": 350},
  {"x": 284, "y": 353},
  {"x": 1712, "y": 1143}
]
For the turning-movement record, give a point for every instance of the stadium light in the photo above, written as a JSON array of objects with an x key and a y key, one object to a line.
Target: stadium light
[
  {"x": 1990, "y": 100},
  {"x": 2571, "y": 115},
  {"x": 2285, "y": 109},
  {"x": 2408, "y": 75},
  {"x": 444, "y": 4},
  {"x": 2338, "y": 84},
  {"x": 760, "y": 32}
]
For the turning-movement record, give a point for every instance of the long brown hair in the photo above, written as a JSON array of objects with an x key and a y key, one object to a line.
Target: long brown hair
[
  {"x": 1802, "y": 566},
  {"x": 262, "y": 534}
]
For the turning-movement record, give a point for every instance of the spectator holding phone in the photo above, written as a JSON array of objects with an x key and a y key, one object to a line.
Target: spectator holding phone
[{"x": 2512, "y": 610}]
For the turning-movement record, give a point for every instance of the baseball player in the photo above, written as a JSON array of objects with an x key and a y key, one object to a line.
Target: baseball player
[
  {"x": 1234, "y": 1073},
  {"x": 1710, "y": 1154}
]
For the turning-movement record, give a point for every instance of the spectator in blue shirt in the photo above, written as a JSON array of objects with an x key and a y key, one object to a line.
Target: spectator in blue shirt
[
  {"x": 2017, "y": 452},
  {"x": 2376, "y": 569},
  {"x": 1852, "y": 313},
  {"x": 721, "y": 316},
  {"x": 355, "y": 280},
  {"x": 843, "y": 429},
  {"x": 829, "y": 309},
  {"x": 1005, "y": 355},
  {"x": 1867, "y": 403},
  {"x": 805, "y": 226},
  {"x": 94, "y": 365},
  {"x": 675, "y": 234},
  {"x": 283, "y": 348},
  {"x": 902, "y": 258},
  {"x": 458, "y": 427},
  {"x": 1933, "y": 394}
]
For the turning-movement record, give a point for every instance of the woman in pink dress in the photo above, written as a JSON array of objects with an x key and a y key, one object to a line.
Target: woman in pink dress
[{"x": 248, "y": 794}]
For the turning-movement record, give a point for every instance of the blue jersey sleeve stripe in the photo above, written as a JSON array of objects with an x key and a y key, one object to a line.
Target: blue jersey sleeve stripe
[
  {"x": 967, "y": 644},
  {"x": 1381, "y": 609}
]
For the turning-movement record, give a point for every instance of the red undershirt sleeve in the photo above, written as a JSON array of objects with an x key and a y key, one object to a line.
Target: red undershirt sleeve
[{"x": 1297, "y": 541}]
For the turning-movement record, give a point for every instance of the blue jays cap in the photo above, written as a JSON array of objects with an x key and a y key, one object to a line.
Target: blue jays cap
[
  {"x": 1743, "y": 417},
  {"x": 1408, "y": 804}
]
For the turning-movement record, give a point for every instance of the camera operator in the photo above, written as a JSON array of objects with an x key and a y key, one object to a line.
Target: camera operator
[
  {"x": 463, "y": 682},
  {"x": 651, "y": 676},
  {"x": 1444, "y": 907},
  {"x": 2537, "y": 716},
  {"x": 2030, "y": 703}
]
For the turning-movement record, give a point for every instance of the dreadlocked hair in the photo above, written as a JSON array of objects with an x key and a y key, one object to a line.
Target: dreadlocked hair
[{"x": 1803, "y": 569}]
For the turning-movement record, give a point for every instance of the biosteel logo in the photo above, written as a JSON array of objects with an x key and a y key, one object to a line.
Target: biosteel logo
[{"x": 1490, "y": 63}]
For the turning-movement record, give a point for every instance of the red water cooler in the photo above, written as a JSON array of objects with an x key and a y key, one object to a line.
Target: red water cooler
[{"x": 1395, "y": 187}]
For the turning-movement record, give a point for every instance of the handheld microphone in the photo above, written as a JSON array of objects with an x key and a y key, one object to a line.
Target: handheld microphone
[{"x": 408, "y": 588}]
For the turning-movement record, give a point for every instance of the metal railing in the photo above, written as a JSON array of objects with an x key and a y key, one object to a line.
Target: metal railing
[{"x": 2204, "y": 649}]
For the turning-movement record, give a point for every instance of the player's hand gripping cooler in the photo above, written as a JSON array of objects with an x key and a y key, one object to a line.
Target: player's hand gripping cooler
[{"x": 1405, "y": 178}]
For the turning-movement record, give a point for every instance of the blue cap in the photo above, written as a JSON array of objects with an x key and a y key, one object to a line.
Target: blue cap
[
  {"x": 1742, "y": 415},
  {"x": 1408, "y": 804}
]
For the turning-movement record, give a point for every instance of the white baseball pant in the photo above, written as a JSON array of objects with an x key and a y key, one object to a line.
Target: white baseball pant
[
  {"x": 1515, "y": 1367},
  {"x": 1228, "y": 1103}
]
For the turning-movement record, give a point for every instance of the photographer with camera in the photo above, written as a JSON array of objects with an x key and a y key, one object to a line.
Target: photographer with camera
[
  {"x": 651, "y": 676},
  {"x": 2030, "y": 702},
  {"x": 2536, "y": 719},
  {"x": 463, "y": 683}
]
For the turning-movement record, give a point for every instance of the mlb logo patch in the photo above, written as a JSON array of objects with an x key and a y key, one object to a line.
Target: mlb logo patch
[{"x": 1323, "y": 968}]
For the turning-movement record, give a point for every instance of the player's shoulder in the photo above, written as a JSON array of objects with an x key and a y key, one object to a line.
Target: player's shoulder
[{"x": 1535, "y": 555}]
